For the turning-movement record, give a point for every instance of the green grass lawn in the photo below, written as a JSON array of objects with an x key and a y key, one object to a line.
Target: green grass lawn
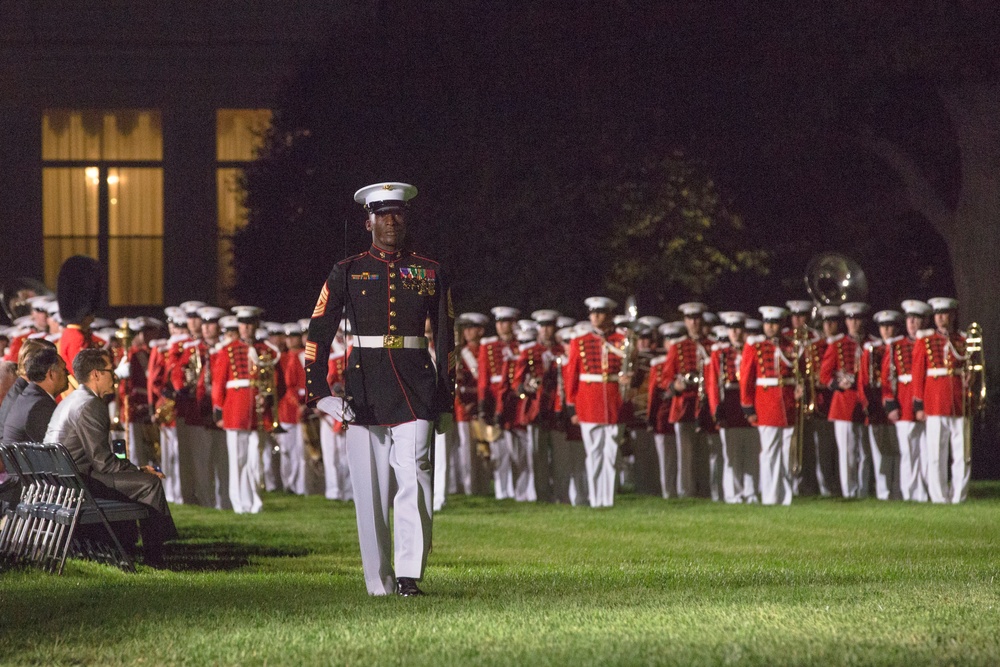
[{"x": 646, "y": 582}]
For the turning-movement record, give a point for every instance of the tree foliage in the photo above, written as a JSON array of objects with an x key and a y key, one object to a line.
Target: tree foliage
[{"x": 673, "y": 235}]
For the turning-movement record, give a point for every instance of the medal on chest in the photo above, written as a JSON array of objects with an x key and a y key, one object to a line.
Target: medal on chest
[{"x": 418, "y": 278}]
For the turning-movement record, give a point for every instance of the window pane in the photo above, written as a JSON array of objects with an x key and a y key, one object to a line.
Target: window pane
[
  {"x": 240, "y": 132},
  {"x": 69, "y": 201},
  {"x": 135, "y": 272},
  {"x": 132, "y": 134},
  {"x": 71, "y": 135},
  {"x": 135, "y": 202},
  {"x": 58, "y": 250}
]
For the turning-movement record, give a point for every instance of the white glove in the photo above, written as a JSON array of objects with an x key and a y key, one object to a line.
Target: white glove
[
  {"x": 444, "y": 422},
  {"x": 123, "y": 370},
  {"x": 336, "y": 407}
]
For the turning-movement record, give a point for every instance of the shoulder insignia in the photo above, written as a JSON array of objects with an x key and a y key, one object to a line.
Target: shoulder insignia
[{"x": 320, "y": 308}]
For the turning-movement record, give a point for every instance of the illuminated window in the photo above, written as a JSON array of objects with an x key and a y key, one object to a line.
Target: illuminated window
[
  {"x": 239, "y": 135},
  {"x": 102, "y": 196}
]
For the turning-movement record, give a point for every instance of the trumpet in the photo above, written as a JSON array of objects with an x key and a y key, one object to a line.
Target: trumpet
[
  {"x": 192, "y": 371},
  {"x": 165, "y": 412}
]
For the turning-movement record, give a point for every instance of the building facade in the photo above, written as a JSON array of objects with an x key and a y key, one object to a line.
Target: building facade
[{"x": 123, "y": 128}]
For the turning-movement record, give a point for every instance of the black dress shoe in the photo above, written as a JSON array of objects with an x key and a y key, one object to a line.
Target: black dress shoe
[{"x": 407, "y": 587}]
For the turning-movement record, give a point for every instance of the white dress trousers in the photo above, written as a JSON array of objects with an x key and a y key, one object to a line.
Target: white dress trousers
[
  {"x": 600, "y": 442},
  {"x": 336, "y": 472},
  {"x": 852, "y": 458},
  {"x": 741, "y": 464},
  {"x": 540, "y": 458},
  {"x": 244, "y": 470},
  {"x": 293, "y": 458},
  {"x": 170, "y": 465},
  {"x": 442, "y": 449},
  {"x": 775, "y": 475},
  {"x": 667, "y": 458},
  {"x": 946, "y": 436},
  {"x": 912, "y": 484},
  {"x": 885, "y": 460},
  {"x": 378, "y": 455},
  {"x": 685, "y": 437}
]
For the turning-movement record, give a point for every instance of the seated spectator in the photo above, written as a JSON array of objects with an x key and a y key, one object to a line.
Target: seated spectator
[
  {"x": 10, "y": 488},
  {"x": 28, "y": 419},
  {"x": 30, "y": 348},
  {"x": 81, "y": 423},
  {"x": 8, "y": 375}
]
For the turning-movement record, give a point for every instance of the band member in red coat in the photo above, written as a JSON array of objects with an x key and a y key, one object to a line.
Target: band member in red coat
[
  {"x": 682, "y": 377},
  {"x": 495, "y": 405},
  {"x": 939, "y": 361},
  {"x": 164, "y": 361},
  {"x": 740, "y": 441},
  {"x": 536, "y": 382},
  {"x": 333, "y": 439},
  {"x": 290, "y": 411},
  {"x": 767, "y": 396},
  {"x": 820, "y": 435},
  {"x": 241, "y": 407},
  {"x": 466, "y": 460},
  {"x": 897, "y": 399},
  {"x": 839, "y": 372},
  {"x": 216, "y": 325},
  {"x": 593, "y": 396},
  {"x": 881, "y": 432}
]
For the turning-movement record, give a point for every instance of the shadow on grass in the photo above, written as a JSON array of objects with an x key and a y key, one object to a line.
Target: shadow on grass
[
  {"x": 222, "y": 556},
  {"x": 984, "y": 489}
]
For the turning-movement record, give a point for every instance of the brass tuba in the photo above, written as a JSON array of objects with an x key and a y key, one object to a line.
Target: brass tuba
[
  {"x": 628, "y": 361},
  {"x": 264, "y": 378},
  {"x": 834, "y": 279}
]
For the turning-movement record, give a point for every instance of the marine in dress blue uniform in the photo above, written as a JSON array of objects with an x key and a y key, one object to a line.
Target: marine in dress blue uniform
[{"x": 393, "y": 391}]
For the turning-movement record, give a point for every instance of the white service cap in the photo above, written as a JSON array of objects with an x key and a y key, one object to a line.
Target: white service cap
[
  {"x": 733, "y": 318},
  {"x": 564, "y": 321},
  {"x": 692, "y": 308},
  {"x": 888, "y": 317},
  {"x": 191, "y": 308},
  {"x": 247, "y": 313},
  {"x": 916, "y": 307},
  {"x": 292, "y": 329},
  {"x": 753, "y": 325},
  {"x": 545, "y": 316},
  {"x": 943, "y": 303},
  {"x": 855, "y": 309},
  {"x": 651, "y": 321},
  {"x": 772, "y": 313},
  {"x": 384, "y": 196},
  {"x": 228, "y": 322},
  {"x": 175, "y": 315},
  {"x": 672, "y": 329},
  {"x": 473, "y": 320},
  {"x": 709, "y": 317},
  {"x": 304, "y": 324},
  {"x": 210, "y": 313},
  {"x": 720, "y": 331},
  {"x": 505, "y": 313},
  {"x": 39, "y": 303},
  {"x": 799, "y": 306},
  {"x": 600, "y": 303},
  {"x": 830, "y": 312}
]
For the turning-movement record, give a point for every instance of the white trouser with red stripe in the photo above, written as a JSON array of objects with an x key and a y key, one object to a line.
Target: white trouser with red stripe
[
  {"x": 170, "y": 464},
  {"x": 946, "y": 435},
  {"x": 293, "y": 458},
  {"x": 666, "y": 455},
  {"x": 686, "y": 437},
  {"x": 443, "y": 444},
  {"x": 600, "y": 442},
  {"x": 911, "y": 438},
  {"x": 775, "y": 474},
  {"x": 377, "y": 455}
]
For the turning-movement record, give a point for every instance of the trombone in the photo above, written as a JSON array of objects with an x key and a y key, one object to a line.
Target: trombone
[
  {"x": 805, "y": 405},
  {"x": 974, "y": 383}
]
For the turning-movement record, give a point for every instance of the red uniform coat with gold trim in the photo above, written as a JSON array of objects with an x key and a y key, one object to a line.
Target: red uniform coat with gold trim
[
  {"x": 295, "y": 386},
  {"x": 541, "y": 407},
  {"x": 596, "y": 400},
  {"x": 870, "y": 381},
  {"x": 722, "y": 384},
  {"x": 73, "y": 340},
  {"x": 238, "y": 404},
  {"x": 467, "y": 383},
  {"x": 897, "y": 378},
  {"x": 658, "y": 405},
  {"x": 843, "y": 357},
  {"x": 687, "y": 357},
  {"x": 773, "y": 361},
  {"x": 494, "y": 379},
  {"x": 942, "y": 391}
]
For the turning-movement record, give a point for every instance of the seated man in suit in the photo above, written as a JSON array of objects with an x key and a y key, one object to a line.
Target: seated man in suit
[
  {"x": 81, "y": 423},
  {"x": 30, "y": 348},
  {"x": 29, "y": 416}
]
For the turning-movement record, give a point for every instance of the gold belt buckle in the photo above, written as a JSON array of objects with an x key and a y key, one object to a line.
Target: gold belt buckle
[{"x": 392, "y": 342}]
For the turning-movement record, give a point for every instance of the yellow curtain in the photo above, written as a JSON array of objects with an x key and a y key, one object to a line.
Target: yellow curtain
[
  {"x": 135, "y": 209},
  {"x": 240, "y": 133}
]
